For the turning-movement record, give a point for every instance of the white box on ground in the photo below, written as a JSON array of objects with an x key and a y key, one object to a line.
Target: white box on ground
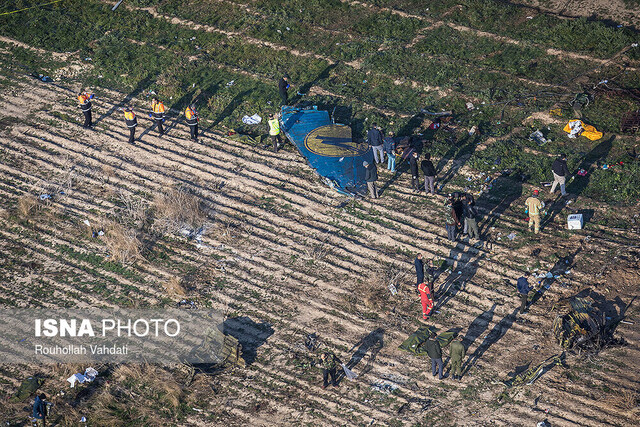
[{"x": 574, "y": 222}]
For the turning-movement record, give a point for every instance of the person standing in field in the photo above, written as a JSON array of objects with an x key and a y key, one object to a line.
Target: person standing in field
[
  {"x": 435, "y": 354},
  {"x": 523, "y": 289},
  {"x": 560, "y": 172},
  {"x": 415, "y": 175},
  {"x": 131, "y": 121},
  {"x": 450, "y": 219},
  {"x": 534, "y": 205},
  {"x": 470, "y": 217},
  {"x": 157, "y": 114},
  {"x": 84, "y": 102},
  {"x": 429, "y": 172},
  {"x": 389, "y": 144},
  {"x": 329, "y": 364},
  {"x": 419, "y": 265},
  {"x": 192, "y": 120},
  {"x": 274, "y": 132},
  {"x": 371, "y": 176},
  {"x": 457, "y": 352},
  {"x": 374, "y": 138},
  {"x": 283, "y": 87},
  {"x": 430, "y": 278},
  {"x": 426, "y": 299}
]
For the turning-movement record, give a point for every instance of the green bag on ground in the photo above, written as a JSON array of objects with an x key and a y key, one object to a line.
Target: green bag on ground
[
  {"x": 27, "y": 389},
  {"x": 414, "y": 343}
]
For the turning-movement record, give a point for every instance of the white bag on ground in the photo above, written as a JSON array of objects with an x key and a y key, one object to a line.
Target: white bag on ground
[{"x": 348, "y": 372}]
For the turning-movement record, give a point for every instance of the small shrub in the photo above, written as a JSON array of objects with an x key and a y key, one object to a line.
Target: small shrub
[
  {"x": 123, "y": 243},
  {"x": 26, "y": 203},
  {"x": 177, "y": 211}
]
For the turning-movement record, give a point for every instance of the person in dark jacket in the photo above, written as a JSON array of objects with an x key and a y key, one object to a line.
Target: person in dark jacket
[
  {"x": 415, "y": 175},
  {"x": 523, "y": 290},
  {"x": 470, "y": 217},
  {"x": 458, "y": 209},
  {"x": 283, "y": 87},
  {"x": 389, "y": 145},
  {"x": 371, "y": 176},
  {"x": 39, "y": 410},
  {"x": 375, "y": 141},
  {"x": 329, "y": 364},
  {"x": 560, "y": 173},
  {"x": 419, "y": 264},
  {"x": 430, "y": 278},
  {"x": 429, "y": 172},
  {"x": 435, "y": 354}
]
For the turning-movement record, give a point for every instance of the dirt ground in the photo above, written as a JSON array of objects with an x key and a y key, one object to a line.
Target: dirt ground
[
  {"x": 292, "y": 257},
  {"x": 619, "y": 11}
]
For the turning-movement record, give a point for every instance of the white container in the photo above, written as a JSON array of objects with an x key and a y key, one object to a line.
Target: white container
[{"x": 574, "y": 222}]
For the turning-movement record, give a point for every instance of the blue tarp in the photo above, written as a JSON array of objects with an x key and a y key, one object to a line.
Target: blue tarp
[{"x": 328, "y": 148}]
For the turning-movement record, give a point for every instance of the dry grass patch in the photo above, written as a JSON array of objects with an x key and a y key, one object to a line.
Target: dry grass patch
[
  {"x": 174, "y": 287},
  {"x": 122, "y": 243},
  {"x": 177, "y": 212},
  {"x": 26, "y": 204}
]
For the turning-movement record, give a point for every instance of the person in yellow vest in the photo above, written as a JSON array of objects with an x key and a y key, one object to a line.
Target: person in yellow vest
[
  {"x": 131, "y": 121},
  {"x": 84, "y": 101},
  {"x": 157, "y": 114},
  {"x": 192, "y": 120},
  {"x": 274, "y": 131},
  {"x": 534, "y": 205}
]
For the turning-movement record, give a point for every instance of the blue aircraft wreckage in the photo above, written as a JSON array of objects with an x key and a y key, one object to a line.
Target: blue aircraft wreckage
[{"x": 328, "y": 148}]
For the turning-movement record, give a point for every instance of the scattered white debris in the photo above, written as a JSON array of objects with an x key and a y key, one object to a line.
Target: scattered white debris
[
  {"x": 90, "y": 374},
  {"x": 87, "y": 223},
  {"x": 252, "y": 120}
]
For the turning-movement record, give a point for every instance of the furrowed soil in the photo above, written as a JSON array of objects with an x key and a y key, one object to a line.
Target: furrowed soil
[
  {"x": 283, "y": 256},
  {"x": 296, "y": 258}
]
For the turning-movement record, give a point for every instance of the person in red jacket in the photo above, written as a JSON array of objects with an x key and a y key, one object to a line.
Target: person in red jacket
[{"x": 426, "y": 299}]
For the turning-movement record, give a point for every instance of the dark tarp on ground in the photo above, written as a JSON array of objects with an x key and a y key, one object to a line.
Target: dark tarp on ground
[
  {"x": 328, "y": 148},
  {"x": 414, "y": 344}
]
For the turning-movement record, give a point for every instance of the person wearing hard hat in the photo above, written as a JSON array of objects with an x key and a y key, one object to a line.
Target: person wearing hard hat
[
  {"x": 157, "y": 114},
  {"x": 84, "y": 102},
  {"x": 534, "y": 205},
  {"x": 192, "y": 120},
  {"x": 131, "y": 121},
  {"x": 274, "y": 132}
]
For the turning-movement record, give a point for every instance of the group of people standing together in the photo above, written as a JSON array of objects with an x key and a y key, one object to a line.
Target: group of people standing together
[
  {"x": 157, "y": 114},
  {"x": 389, "y": 146}
]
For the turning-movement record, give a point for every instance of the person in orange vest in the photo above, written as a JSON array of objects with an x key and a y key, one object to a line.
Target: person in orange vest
[
  {"x": 131, "y": 121},
  {"x": 192, "y": 120},
  {"x": 84, "y": 101},
  {"x": 157, "y": 114},
  {"x": 426, "y": 299}
]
